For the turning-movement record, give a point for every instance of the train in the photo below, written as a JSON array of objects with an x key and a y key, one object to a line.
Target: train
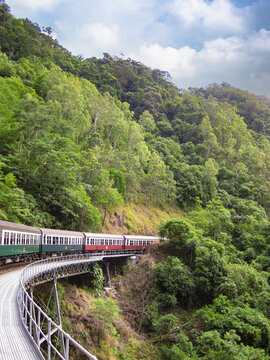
[{"x": 27, "y": 243}]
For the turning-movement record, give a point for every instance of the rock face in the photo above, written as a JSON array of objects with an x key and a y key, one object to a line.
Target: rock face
[{"x": 137, "y": 219}]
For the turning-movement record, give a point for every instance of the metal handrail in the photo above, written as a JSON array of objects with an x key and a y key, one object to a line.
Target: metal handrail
[{"x": 37, "y": 323}]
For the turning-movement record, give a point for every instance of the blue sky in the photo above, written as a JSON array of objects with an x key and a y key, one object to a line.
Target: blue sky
[{"x": 198, "y": 41}]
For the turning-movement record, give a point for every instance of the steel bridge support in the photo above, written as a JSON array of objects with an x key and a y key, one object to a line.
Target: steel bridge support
[
  {"x": 108, "y": 274},
  {"x": 58, "y": 313}
]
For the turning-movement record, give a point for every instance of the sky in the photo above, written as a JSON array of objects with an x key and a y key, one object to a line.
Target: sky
[{"x": 199, "y": 42}]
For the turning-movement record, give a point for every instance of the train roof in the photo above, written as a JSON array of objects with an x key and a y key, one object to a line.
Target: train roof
[
  {"x": 61, "y": 232},
  {"x": 141, "y": 237},
  {"x": 104, "y": 236},
  {"x": 6, "y": 225}
]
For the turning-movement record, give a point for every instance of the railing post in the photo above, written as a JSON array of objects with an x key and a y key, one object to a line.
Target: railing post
[
  {"x": 31, "y": 310},
  {"x": 67, "y": 349},
  {"x": 49, "y": 341},
  {"x": 38, "y": 329},
  {"x": 25, "y": 309}
]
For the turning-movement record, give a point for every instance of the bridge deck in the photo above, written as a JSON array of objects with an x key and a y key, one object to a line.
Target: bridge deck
[
  {"x": 14, "y": 341},
  {"x": 15, "y": 344}
]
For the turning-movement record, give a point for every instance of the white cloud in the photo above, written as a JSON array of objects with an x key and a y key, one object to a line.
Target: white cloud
[
  {"x": 100, "y": 34},
  {"x": 243, "y": 62},
  {"x": 168, "y": 58},
  {"x": 219, "y": 15},
  {"x": 35, "y": 5},
  {"x": 260, "y": 42},
  {"x": 229, "y": 49},
  {"x": 93, "y": 39}
]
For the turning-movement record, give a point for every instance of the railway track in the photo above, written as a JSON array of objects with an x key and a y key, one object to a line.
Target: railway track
[{"x": 12, "y": 266}]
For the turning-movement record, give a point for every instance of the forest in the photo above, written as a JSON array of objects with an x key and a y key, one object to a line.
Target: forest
[{"x": 80, "y": 137}]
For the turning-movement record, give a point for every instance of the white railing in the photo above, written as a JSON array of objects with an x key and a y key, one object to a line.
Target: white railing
[{"x": 50, "y": 340}]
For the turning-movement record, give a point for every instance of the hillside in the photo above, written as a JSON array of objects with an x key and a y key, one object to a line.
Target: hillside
[
  {"x": 77, "y": 144},
  {"x": 112, "y": 145}
]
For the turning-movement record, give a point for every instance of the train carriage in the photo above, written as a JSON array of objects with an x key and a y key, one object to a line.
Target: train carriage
[
  {"x": 61, "y": 241},
  {"x": 18, "y": 240},
  {"x": 136, "y": 242},
  {"x": 95, "y": 242}
]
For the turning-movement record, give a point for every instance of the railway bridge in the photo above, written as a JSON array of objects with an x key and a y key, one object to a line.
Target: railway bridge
[{"x": 26, "y": 331}]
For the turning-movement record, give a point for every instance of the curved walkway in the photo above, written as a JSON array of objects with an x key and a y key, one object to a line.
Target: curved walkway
[{"x": 14, "y": 342}]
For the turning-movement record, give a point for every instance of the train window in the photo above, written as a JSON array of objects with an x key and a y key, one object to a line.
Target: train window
[
  {"x": 106, "y": 242},
  {"x": 110, "y": 241},
  {"x": 23, "y": 239},
  {"x": 12, "y": 238},
  {"x": 148, "y": 242},
  {"x": 6, "y": 238},
  {"x": 144, "y": 242},
  {"x": 131, "y": 242},
  {"x": 101, "y": 241}
]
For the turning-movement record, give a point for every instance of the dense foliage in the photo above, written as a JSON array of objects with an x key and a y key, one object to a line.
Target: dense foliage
[
  {"x": 209, "y": 297},
  {"x": 82, "y": 136}
]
